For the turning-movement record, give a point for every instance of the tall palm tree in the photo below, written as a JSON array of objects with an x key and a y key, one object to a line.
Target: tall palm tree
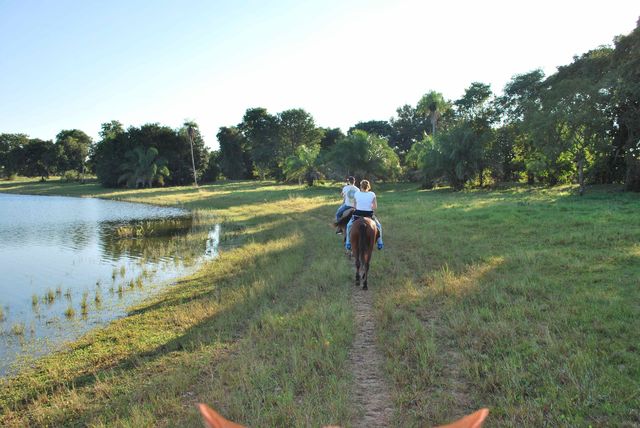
[
  {"x": 191, "y": 127},
  {"x": 433, "y": 105},
  {"x": 143, "y": 168}
]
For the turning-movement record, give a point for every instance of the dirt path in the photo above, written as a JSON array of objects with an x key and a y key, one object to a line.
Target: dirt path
[{"x": 371, "y": 392}]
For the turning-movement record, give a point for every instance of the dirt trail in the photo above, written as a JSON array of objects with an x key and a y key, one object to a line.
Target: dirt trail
[{"x": 371, "y": 392}]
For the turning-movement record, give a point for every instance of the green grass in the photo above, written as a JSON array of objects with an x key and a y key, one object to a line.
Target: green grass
[{"x": 521, "y": 300}]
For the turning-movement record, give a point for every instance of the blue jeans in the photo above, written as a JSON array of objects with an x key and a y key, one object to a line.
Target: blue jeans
[
  {"x": 348, "y": 238},
  {"x": 341, "y": 211}
]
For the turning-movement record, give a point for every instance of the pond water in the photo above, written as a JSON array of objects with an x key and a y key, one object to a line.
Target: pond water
[{"x": 68, "y": 265}]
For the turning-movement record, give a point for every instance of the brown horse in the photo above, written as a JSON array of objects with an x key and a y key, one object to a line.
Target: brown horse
[
  {"x": 363, "y": 238},
  {"x": 213, "y": 419}
]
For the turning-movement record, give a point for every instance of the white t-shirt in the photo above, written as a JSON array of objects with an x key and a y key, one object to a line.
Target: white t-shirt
[
  {"x": 348, "y": 192},
  {"x": 364, "y": 200}
]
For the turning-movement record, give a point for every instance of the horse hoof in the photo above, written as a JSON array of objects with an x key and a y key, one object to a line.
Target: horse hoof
[{"x": 364, "y": 287}]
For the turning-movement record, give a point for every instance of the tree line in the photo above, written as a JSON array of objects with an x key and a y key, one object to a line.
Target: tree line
[
  {"x": 580, "y": 124},
  {"x": 134, "y": 157}
]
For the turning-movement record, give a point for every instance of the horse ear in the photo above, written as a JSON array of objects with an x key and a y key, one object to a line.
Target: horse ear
[
  {"x": 213, "y": 419},
  {"x": 474, "y": 420}
]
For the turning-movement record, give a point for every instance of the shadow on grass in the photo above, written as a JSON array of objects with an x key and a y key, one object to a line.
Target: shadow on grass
[{"x": 248, "y": 276}]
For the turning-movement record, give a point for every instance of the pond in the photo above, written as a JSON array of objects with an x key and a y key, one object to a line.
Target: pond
[{"x": 68, "y": 265}]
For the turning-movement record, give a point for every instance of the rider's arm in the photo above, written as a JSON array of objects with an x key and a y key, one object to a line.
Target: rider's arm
[{"x": 374, "y": 204}]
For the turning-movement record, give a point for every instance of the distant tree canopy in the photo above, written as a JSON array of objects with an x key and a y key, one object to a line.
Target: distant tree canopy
[
  {"x": 172, "y": 145},
  {"x": 579, "y": 125},
  {"x": 73, "y": 147}
]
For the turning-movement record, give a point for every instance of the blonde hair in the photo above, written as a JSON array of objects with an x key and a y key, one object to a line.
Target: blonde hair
[{"x": 365, "y": 186}]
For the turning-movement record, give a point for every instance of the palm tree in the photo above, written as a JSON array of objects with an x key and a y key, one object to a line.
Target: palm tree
[
  {"x": 143, "y": 168},
  {"x": 191, "y": 131},
  {"x": 432, "y": 105},
  {"x": 302, "y": 165}
]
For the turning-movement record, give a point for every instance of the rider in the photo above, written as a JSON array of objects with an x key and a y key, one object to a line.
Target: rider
[
  {"x": 365, "y": 204},
  {"x": 349, "y": 202}
]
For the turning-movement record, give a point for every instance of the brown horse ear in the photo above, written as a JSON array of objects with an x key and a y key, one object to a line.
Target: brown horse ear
[
  {"x": 213, "y": 419},
  {"x": 474, "y": 420}
]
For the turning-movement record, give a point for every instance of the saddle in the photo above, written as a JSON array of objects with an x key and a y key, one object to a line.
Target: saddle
[{"x": 346, "y": 214}]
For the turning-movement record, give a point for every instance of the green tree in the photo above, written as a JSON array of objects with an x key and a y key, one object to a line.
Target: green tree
[
  {"x": 41, "y": 158},
  {"x": 296, "y": 128},
  {"x": 235, "y": 158},
  {"x": 453, "y": 155},
  {"x": 303, "y": 165},
  {"x": 520, "y": 109},
  {"x": 175, "y": 146},
  {"x": 364, "y": 155},
  {"x": 409, "y": 126},
  {"x": 625, "y": 75},
  {"x": 576, "y": 110},
  {"x": 330, "y": 137},
  {"x": 109, "y": 153},
  {"x": 143, "y": 167},
  {"x": 476, "y": 108},
  {"x": 73, "y": 148},
  {"x": 212, "y": 172},
  {"x": 381, "y": 128},
  {"x": 261, "y": 131},
  {"x": 433, "y": 106},
  {"x": 12, "y": 153}
]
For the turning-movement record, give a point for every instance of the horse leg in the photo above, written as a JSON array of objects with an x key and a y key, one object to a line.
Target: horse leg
[
  {"x": 357, "y": 272},
  {"x": 365, "y": 275}
]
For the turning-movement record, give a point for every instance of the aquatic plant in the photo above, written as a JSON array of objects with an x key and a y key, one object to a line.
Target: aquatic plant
[
  {"x": 67, "y": 294},
  {"x": 70, "y": 312},
  {"x": 84, "y": 306},
  {"x": 58, "y": 291},
  {"x": 98, "y": 298},
  {"x": 1, "y": 314},
  {"x": 50, "y": 296},
  {"x": 18, "y": 329},
  {"x": 34, "y": 300},
  {"x": 123, "y": 270}
]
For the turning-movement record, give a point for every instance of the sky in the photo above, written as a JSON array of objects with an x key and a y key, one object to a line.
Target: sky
[{"x": 77, "y": 64}]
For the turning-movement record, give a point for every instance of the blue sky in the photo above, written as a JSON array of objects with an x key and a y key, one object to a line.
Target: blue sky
[{"x": 76, "y": 64}]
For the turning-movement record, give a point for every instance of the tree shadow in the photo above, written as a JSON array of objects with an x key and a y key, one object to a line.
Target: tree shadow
[{"x": 226, "y": 326}]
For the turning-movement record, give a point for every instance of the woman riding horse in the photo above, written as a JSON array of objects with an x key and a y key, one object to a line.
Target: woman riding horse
[{"x": 366, "y": 203}]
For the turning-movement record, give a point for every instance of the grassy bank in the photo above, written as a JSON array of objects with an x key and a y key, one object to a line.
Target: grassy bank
[{"x": 524, "y": 301}]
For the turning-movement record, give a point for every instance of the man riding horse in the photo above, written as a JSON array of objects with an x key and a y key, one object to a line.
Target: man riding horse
[{"x": 348, "y": 192}]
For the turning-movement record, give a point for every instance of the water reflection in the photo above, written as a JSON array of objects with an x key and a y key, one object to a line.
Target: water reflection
[{"x": 70, "y": 264}]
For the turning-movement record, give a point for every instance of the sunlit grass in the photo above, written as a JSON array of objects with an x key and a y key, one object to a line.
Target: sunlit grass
[{"x": 522, "y": 300}]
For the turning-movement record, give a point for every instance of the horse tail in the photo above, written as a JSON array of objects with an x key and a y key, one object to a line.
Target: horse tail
[{"x": 362, "y": 240}]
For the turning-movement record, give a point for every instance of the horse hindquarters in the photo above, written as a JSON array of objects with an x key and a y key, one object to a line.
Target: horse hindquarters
[
  {"x": 364, "y": 251},
  {"x": 354, "y": 237}
]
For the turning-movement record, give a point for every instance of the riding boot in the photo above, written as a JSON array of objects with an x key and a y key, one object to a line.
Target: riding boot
[
  {"x": 380, "y": 243},
  {"x": 347, "y": 243}
]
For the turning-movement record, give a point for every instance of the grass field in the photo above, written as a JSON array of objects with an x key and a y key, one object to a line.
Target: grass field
[{"x": 522, "y": 300}]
